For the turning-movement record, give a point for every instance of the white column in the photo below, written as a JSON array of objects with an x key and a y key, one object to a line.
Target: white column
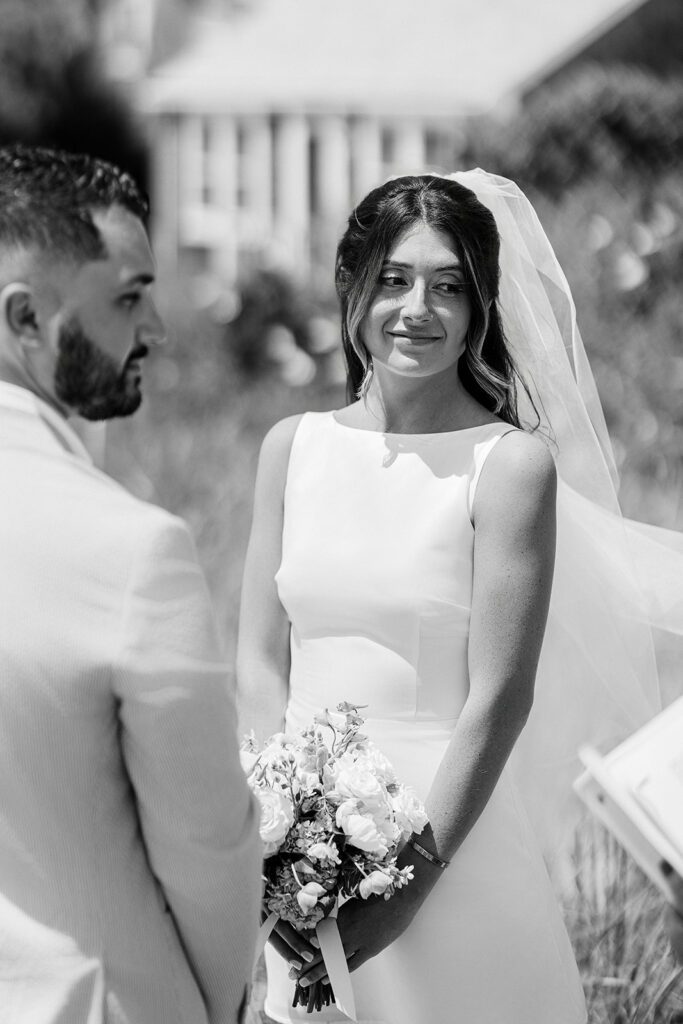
[
  {"x": 333, "y": 191},
  {"x": 333, "y": 170},
  {"x": 293, "y": 189},
  {"x": 165, "y": 195},
  {"x": 223, "y": 177},
  {"x": 258, "y": 174},
  {"x": 410, "y": 148},
  {"x": 191, "y": 157},
  {"x": 366, "y": 157}
]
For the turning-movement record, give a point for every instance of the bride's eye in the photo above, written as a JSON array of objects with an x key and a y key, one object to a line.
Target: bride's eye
[
  {"x": 451, "y": 287},
  {"x": 390, "y": 279}
]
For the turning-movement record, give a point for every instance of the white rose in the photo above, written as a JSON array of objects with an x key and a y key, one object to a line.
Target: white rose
[
  {"x": 364, "y": 834},
  {"x": 378, "y": 763},
  {"x": 358, "y": 782},
  {"x": 375, "y": 884},
  {"x": 409, "y": 811},
  {"x": 277, "y": 817},
  {"x": 345, "y": 809},
  {"x": 308, "y": 895}
]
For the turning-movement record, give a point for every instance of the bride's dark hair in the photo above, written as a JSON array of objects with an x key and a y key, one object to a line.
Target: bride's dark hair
[{"x": 486, "y": 367}]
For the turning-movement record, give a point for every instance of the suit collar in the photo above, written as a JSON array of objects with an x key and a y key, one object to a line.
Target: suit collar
[{"x": 24, "y": 401}]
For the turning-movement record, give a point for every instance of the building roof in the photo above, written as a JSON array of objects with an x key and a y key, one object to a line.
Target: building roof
[{"x": 394, "y": 57}]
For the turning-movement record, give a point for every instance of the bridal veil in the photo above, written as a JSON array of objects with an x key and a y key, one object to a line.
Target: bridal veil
[{"x": 618, "y": 584}]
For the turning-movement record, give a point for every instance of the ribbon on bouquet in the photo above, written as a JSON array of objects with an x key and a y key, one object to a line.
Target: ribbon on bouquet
[{"x": 332, "y": 952}]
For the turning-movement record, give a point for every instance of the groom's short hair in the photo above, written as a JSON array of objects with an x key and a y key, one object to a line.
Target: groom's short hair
[{"x": 48, "y": 196}]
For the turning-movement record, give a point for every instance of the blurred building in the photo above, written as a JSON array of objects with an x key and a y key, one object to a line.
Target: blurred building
[{"x": 268, "y": 119}]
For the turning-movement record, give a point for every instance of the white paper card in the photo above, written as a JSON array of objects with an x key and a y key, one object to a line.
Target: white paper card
[{"x": 637, "y": 792}]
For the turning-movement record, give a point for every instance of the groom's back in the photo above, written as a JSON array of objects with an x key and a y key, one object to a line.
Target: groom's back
[
  {"x": 129, "y": 850},
  {"x": 80, "y": 909}
]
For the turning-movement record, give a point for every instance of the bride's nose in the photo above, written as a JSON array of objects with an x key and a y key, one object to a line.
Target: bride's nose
[{"x": 416, "y": 307}]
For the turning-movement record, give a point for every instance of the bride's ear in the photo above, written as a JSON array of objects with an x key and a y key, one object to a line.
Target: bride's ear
[{"x": 17, "y": 309}]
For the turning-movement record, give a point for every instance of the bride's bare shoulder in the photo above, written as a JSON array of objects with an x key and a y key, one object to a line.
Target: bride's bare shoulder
[
  {"x": 519, "y": 474},
  {"x": 275, "y": 450},
  {"x": 278, "y": 440}
]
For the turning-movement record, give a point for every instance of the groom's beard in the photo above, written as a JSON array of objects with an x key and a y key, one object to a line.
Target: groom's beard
[{"x": 90, "y": 382}]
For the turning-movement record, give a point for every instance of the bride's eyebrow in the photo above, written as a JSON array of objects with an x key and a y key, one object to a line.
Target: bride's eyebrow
[{"x": 452, "y": 268}]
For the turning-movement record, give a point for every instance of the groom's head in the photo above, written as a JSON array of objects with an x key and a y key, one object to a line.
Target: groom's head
[{"x": 76, "y": 313}]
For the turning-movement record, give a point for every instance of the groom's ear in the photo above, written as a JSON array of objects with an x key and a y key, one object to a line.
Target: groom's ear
[{"x": 17, "y": 308}]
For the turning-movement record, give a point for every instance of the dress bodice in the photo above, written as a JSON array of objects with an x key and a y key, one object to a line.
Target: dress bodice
[{"x": 377, "y": 564}]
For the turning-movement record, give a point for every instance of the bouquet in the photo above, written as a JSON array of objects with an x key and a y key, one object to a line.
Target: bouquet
[{"x": 333, "y": 816}]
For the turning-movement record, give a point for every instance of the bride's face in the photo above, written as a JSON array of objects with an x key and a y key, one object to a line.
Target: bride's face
[{"x": 419, "y": 314}]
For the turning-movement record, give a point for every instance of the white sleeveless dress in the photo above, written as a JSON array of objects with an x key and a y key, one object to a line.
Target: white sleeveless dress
[{"x": 376, "y": 579}]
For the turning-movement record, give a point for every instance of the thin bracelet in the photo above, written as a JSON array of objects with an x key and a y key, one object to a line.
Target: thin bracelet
[{"x": 427, "y": 855}]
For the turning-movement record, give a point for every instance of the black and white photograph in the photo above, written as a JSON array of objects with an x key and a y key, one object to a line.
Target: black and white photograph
[{"x": 341, "y": 515}]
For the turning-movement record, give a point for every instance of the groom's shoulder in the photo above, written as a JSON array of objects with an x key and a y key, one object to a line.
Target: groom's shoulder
[
  {"x": 82, "y": 501},
  {"x": 129, "y": 520}
]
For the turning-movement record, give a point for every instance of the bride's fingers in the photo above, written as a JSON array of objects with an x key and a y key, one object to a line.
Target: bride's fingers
[
  {"x": 299, "y": 947},
  {"x": 285, "y": 951},
  {"x": 318, "y": 970}
]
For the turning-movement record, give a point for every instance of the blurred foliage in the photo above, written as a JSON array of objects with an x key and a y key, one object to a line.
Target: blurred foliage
[
  {"x": 599, "y": 152},
  {"x": 51, "y": 92},
  {"x": 267, "y": 299},
  {"x": 620, "y": 123},
  {"x": 622, "y": 254}
]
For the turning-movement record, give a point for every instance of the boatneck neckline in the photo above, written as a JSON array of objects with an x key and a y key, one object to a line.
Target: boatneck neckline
[{"x": 433, "y": 435}]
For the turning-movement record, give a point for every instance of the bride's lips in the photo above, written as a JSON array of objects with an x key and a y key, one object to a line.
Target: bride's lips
[{"x": 414, "y": 339}]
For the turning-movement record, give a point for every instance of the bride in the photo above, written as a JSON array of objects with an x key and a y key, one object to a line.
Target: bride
[{"x": 402, "y": 558}]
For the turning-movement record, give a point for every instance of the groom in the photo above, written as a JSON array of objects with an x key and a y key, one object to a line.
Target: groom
[{"x": 129, "y": 850}]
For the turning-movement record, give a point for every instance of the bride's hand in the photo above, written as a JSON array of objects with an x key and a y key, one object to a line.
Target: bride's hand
[
  {"x": 293, "y": 946},
  {"x": 366, "y": 927}
]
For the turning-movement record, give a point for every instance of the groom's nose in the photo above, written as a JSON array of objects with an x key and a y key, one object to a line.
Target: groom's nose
[{"x": 153, "y": 331}]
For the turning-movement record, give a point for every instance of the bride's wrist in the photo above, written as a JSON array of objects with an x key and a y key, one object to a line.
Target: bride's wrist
[
  {"x": 425, "y": 875},
  {"x": 427, "y": 851}
]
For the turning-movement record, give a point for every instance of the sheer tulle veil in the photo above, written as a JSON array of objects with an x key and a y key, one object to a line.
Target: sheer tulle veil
[{"x": 617, "y": 583}]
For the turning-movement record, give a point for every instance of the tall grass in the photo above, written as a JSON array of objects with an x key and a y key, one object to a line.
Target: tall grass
[{"x": 615, "y": 920}]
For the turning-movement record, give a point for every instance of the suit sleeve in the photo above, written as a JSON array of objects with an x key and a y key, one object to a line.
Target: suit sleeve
[{"x": 179, "y": 741}]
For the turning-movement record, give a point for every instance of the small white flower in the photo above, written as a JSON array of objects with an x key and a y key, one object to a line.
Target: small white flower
[
  {"x": 375, "y": 884},
  {"x": 323, "y": 852},
  {"x": 308, "y": 896},
  {"x": 302, "y": 867},
  {"x": 248, "y": 759}
]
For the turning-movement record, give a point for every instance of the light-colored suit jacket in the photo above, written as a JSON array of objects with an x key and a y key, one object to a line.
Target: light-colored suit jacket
[{"x": 129, "y": 850}]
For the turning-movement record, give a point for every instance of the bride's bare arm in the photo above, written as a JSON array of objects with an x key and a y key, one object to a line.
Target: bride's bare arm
[
  {"x": 514, "y": 550},
  {"x": 263, "y": 642},
  {"x": 514, "y": 555}
]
